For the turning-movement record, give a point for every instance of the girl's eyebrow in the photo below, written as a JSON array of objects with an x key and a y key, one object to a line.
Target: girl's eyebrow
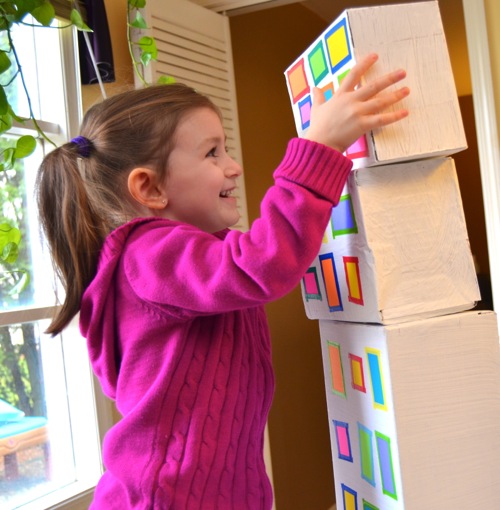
[
  {"x": 215, "y": 139},
  {"x": 211, "y": 140}
]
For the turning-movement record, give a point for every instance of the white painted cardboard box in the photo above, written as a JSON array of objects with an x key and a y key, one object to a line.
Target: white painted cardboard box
[
  {"x": 408, "y": 36},
  {"x": 396, "y": 248},
  {"x": 414, "y": 413}
]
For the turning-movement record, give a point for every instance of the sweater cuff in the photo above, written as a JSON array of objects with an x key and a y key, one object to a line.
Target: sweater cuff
[{"x": 316, "y": 167}]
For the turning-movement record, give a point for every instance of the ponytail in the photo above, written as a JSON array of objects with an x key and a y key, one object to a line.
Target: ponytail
[{"x": 71, "y": 227}]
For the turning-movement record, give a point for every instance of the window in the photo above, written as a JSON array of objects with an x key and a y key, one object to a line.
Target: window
[{"x": 49, "y": 428}]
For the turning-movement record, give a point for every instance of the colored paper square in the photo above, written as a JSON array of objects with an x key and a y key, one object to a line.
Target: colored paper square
[
  {"x": 305, "y": 112},
  {"x": 359, "y": 149},
  {"x": 338, "y": 46},
  {"x": 369, "y": 506},
  {"x": 386, "y": 465},
  {"x": 353, "y": 280},
  {"x": 311, "y": 284},
  {"x": 343, "y": 220},
  {"x": 343, "y": 440},
  {"x": 317, "y": 63},
  {"x": 349, "y": 497},
  {"x": 366, "y": 454},
  {"x": 328, "y": 91},
  {"x": 336, "y": 369},
  {"x": 377, "y": 380},
  {"x": 330, "y": 279},
  {"x": 297, "y": 80},
  {"x": 357, "y": 373},
  {"x": 342, "y": 75}
]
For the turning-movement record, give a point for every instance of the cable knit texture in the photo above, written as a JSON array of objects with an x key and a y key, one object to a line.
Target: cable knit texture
[{"x": 177, "y": 335}]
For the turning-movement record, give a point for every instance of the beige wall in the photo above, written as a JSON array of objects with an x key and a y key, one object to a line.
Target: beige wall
[{"x": 298, "y": 422}]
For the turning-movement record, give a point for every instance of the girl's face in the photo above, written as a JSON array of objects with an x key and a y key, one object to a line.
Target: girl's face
[{"x": 201, "y": 176}]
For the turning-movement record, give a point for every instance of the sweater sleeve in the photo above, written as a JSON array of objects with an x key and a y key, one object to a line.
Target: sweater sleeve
[
  {"x": 316, "y": 167},
  {"x": 175, "y": 265}
]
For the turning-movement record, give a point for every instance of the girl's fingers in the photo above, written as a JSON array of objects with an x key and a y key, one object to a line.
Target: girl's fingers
[
  {"x": 384, "y": 100},
  {"x": 317, "y": 97},
  {"x": 353, "y": 77},
  {"x": 384, "y": 119},
  {"x": 371, "y": 89}
]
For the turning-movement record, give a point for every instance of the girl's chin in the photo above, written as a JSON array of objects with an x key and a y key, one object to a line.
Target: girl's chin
[{"x": 235, "y": 220}]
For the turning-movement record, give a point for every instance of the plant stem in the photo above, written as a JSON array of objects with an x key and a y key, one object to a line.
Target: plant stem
[
  {"x": 39, "y": 130},
  {"x": 131, "y": 49}
]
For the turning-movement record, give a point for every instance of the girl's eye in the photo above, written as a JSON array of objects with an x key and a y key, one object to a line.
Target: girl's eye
[{"x": 215, "y": 152}]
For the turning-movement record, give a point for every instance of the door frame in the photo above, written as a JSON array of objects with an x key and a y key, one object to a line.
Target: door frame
[{"x": 487, "y": 132}]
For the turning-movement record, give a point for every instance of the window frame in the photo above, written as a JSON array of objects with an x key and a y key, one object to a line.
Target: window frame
[{"x": 77, "y": 495}]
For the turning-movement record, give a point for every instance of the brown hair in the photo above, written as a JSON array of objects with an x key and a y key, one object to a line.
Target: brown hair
[{"x": 82, "y": 199}]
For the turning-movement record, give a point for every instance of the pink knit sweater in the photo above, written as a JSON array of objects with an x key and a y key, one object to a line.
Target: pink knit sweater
[{"x": 177, "y": 335}]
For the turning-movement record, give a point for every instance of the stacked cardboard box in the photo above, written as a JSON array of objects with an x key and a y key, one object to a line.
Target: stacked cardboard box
[{"x": 412, "y": 374}]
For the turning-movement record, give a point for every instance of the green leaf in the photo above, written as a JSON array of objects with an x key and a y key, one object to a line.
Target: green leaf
[
  {"x": 149, "y": 50},
  {"x": 4, "y": 103},
  {"x": 77, "y": 20},
  {"x": 146, "y": 58},
  {"x": 139, "y": 21},
  {"x": 8, "y": 234},
  {"x": 166, "y": 80},
  {"x": 25, "y": 6},
  {"x": 15, "y": 12},
  {"x": 5, "y": 122},
  {"x": 25, "y": 146},
  {"x": 5, "y": 62},
  {"x": 137, "y": 4},
  {"x": 8, "y": 157},
  {"x": 148, "y": 44},
  {"x": 10, "y": 237},
  {"x": 44, "y": 14},
  {"x": 21, "y": 284},
  {"x": 10, "y": 252}
]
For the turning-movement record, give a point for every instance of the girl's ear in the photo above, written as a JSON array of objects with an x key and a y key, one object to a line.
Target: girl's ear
[{"x": 144, "y": 187}]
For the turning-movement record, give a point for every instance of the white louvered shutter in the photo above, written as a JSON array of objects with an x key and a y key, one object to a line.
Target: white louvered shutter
[{"x": 194, "y": 47}]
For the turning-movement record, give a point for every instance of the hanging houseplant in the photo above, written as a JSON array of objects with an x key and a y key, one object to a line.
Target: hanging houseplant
[
  {"x": 12, "y": 14},
  {"x": 17, "y": 12}
]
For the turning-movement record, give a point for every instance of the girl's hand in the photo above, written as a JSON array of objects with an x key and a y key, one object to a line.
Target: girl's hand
[{"x": 352, "y": 111}]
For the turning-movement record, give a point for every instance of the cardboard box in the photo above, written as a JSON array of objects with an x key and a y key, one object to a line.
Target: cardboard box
[
  {"x": 408, "y": 36},
  {"x": 396, "y": 248},
  {"x": 414, "y": 412}
]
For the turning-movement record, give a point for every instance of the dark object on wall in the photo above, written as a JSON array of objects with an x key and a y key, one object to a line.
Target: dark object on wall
[{"x": 100, "y": 42}]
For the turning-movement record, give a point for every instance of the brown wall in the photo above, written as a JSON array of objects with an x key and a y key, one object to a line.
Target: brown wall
[{"x": 469, "y": 178}]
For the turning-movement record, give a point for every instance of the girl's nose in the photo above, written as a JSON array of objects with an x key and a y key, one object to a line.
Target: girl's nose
[{"x": 233, "y": 168}]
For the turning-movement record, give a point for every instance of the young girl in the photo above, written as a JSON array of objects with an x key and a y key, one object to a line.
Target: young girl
[{"x": 136, "y": 212}]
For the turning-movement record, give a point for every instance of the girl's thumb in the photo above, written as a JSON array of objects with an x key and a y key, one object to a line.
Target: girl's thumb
[{"x": 317, "y": 97}]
